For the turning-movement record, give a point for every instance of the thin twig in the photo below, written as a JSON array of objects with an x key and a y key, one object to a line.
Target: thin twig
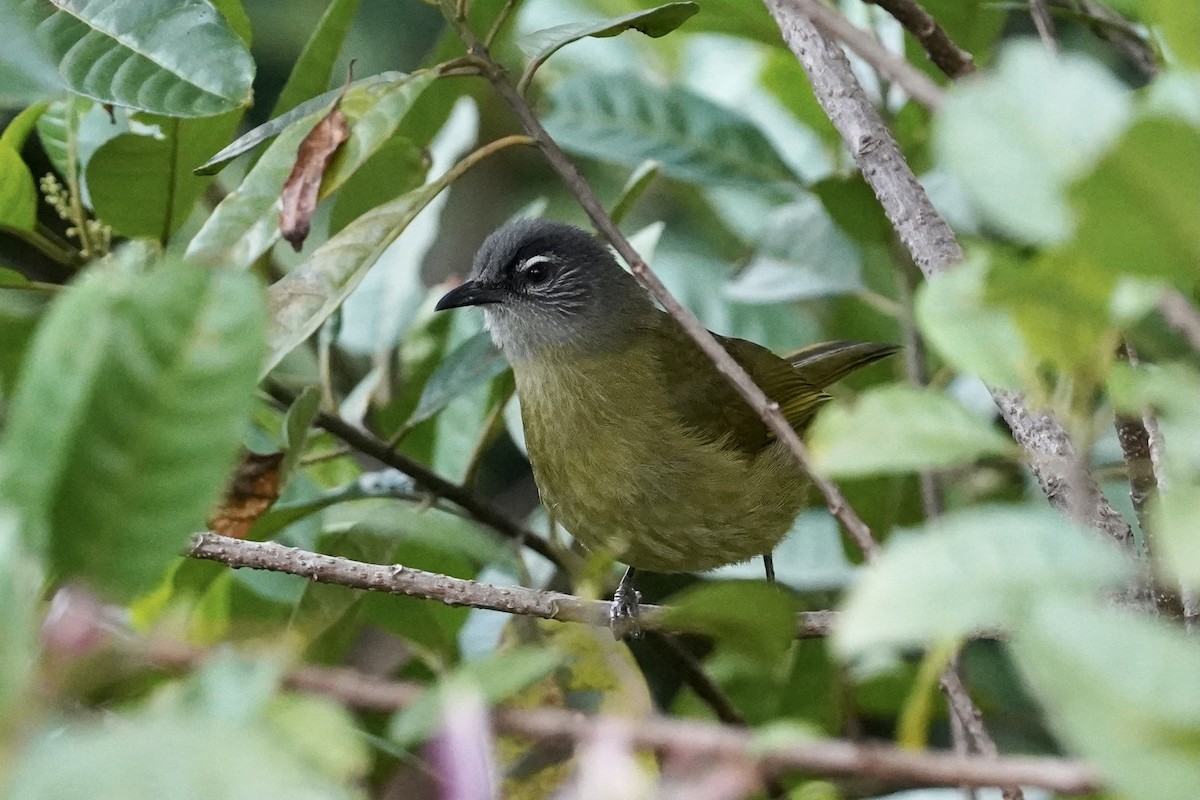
[
  {"x": 827, "y": 757},
  {"x": 401, "y": 580},
  {"x": 943, "y": 52},
  {"x": 1044, "y": 23},
  {"x": 869, "y": 49},
  {"x": 934, "y": 249},
  {"x": 733, "y": 372}
]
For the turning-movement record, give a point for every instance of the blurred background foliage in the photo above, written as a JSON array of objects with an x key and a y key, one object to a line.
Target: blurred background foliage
[{"x": 128, "y": 380}]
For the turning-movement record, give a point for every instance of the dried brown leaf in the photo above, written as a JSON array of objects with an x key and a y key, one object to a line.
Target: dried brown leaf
[
  {"x": 253, "y": 488},
  {"x": 300, "y": 192}
]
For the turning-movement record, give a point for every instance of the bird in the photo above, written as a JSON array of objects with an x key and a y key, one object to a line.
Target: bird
[{"x": 638, "y": 446}]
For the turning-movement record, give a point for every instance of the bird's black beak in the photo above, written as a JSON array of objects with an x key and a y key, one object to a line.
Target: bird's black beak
[{"x": 469, "y": 293}]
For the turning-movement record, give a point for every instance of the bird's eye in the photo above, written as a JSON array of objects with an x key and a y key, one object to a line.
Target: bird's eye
[{"x": 536, "y": 270}]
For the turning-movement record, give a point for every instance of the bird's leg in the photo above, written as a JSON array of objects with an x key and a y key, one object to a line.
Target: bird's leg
[
  {"x": 622, "y": 615},
  {"x": 769, "y": 566}
]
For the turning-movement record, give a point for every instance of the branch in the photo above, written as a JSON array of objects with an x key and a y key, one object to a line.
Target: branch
[
  {"x": 733, "y": 372},
  {"x": 481, "y": 510},
  {"x": 868, "y": 48},
  {"x": 401, "y": 580},
  {"x": 941, "y": 49},
  {"x": 829, "y": 757},
  {"x": 1044, "y": 23},
  {"x": 935, "y": 249}
]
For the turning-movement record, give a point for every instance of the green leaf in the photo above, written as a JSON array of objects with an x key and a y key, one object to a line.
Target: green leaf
[
  {"x": 1121, "y": 690},
  {"x": 151, "y": 378},
  {"x": 1178, "y": 24},
  {"x": 315, "y": 107},
  {"x": 473, "y": 363},
  {"x": 853, "y": 206},
  {"x": 801, "y": 255},
  {"x": 311, "y": 73},
  {"x": 307, "y": 295},
  {"x": 143, "y": 186},
  {"x": 22, "y": 125},
  {"x": 1059, "y": 303},
  {"x": 20, "y": 581},
  {"x": 397, "y": 167},
  {"x": 149, "y": 755},
  {"x": 246, "y": 223},
  {"x": 622, "y": 119},
  {"x": 173, "y": 57},
  {"x": 1144, "y": 172},
  {"x": 18, "y": 195},
  {"x": 1017, "y": 137},
  {"x": 655, "y": 22},
  {"x": 296, "y": 422},
  {"x": 1177, "y": 545},
  {"x": 635, "y": 186},
  {"x": 496, "y": 678},
  {"x": 971, "y": 570},
  {"x": 28, "y": 74},
  {"x": 750, "y": 617},
  {"x": 970, "y": 335},
  {"x": 901, "y": 429}
]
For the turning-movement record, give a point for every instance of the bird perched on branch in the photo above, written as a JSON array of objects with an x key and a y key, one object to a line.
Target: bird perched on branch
[{"x": 639, "y": 447}]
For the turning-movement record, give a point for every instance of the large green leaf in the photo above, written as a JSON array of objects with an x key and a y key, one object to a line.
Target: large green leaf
[
  {"x": 654, "y": 22},
  {"x": 129, "y": 415},
  {"x": 168, "y": 757},
  {"x": 970, "y": 570},
  {"x": 1060, "y": 304},
  {"x": 901, "y": 429},
  {"x": 311, "y": 73},
  {"x": 307, "y": 295},
  {"x": 471, "y": 364},
  {"x": 1178, "y": 24},
  {"x": 143, "y": 186},
  {"x": 622, "y": 119},
  {"x": 1145, "y": 171},
  {"x": 1121, "y": 690},
  {"x": 174, "y": 57},
  {"x": 314, "y": 107},
  {"x": 972, "y": 336},
  {"x": 246, "y": 223},
  {"x": 800, "y": 254},
  {"x": 398, "y": 166},
  {"x": 1017, "y": 137},
  {"x": 18, "y": 195},
  {"x": 20, "y": 579}
]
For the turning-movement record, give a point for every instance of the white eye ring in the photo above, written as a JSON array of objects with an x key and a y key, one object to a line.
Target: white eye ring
[{"x": 529, "y": 267}]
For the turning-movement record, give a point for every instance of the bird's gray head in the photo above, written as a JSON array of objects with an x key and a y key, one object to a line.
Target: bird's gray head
[{"x": 547, "y": 284}]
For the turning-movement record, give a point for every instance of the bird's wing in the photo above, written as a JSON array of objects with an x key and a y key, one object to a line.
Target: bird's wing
[{"x": 707, "y": 403}]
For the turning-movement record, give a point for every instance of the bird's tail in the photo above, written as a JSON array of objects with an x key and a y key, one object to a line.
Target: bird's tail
[{"x": 825, "y": 363}]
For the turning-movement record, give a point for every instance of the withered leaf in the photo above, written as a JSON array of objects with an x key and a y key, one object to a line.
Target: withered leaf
[
  {"x": 252, "y": 489},
  {"x": 299, "y": 198}
]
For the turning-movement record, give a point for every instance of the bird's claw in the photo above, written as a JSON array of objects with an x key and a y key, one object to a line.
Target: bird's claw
[{"x": 623, "y": 614}]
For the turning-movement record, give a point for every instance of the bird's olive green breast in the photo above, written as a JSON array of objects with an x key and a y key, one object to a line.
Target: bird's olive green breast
[{"x": 624, "y": 471}]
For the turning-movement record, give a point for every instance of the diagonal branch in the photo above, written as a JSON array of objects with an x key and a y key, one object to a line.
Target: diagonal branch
[
  {"x": 943, "y": 52},
  {"x": 867, "y": 47},
  {"x": 401, "y": 580},
  {"x": 935, "y": 249}
]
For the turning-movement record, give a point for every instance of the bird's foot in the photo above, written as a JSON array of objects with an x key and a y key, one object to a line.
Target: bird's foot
[{"x": 623, "y": 614}]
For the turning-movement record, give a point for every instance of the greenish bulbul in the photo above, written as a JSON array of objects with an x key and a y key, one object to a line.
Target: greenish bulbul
[{"x": 639, "y": 447}]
